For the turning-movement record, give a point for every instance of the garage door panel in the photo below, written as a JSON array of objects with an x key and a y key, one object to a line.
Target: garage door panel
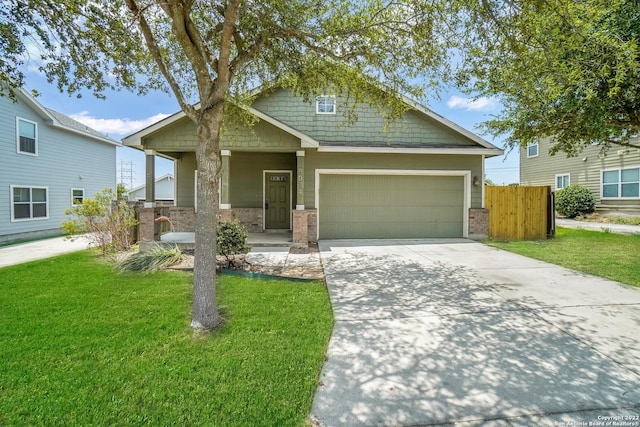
[{"x": 390, "y": 206}]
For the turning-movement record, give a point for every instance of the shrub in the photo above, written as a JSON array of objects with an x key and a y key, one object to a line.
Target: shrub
[
  {"x": 231, "y": 239},
  {"x": 575, "y": 200},
  {"x": 106, "y": 221},
  {"x": 154, "y": 259}
]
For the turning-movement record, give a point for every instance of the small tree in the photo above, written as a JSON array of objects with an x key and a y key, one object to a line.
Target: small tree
[
  {"x": 575, "y": 200},
  {"x": 104, "y": 219}
]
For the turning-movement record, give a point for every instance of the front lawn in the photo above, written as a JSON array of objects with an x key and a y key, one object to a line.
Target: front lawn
[
  {"x": 83, "y": 345},
  {"x": 609, "y": 255}
]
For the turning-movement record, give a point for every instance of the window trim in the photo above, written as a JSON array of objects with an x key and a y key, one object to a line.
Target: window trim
[
  {"x": 333, "y": 98},
  {"x": 568, "y": 175},
  {"x": 35, "y": 124},
  {"x": 619, "y": 170},
  {"x": 531, "y": 144},
  {"x": 73, "y": 199},
  {"x": 31, "y": 218}
]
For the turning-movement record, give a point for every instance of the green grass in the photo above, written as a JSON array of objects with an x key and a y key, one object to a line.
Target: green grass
[
  {"x": 613, "y": 256},
  {"x": 83, "y": 345}
]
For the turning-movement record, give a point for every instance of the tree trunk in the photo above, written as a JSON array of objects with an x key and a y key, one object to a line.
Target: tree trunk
[{"x": 205, "y": 310}]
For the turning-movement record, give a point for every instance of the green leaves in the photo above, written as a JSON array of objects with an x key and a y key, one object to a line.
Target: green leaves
[{"x": 563, "y": 69}]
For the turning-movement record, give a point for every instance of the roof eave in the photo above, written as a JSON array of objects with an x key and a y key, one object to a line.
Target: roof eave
[{"x": 487, "y": 152}]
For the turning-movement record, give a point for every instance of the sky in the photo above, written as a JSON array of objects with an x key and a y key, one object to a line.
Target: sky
[{"x": 123, "y": 113}]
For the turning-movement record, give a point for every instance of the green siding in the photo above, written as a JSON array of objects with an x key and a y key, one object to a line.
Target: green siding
[
  {"x": 315, "y": 160},
  {"x": 412, "y": 128},
  {"x": 181, "y": 136},
  {"x": 185, "y": 180},
  {"x": 383, "y": 206},
  {"x": 246, "y": 175}
]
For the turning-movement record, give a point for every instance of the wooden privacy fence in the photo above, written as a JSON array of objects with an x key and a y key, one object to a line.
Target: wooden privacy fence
[{"x": 519, "y": 213}]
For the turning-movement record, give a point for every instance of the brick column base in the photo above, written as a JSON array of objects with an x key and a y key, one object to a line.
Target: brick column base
[
  {"x": 300, "y": 228},
  {"x": 478, "y": 223},
  {"x": 148, "y": 229}
]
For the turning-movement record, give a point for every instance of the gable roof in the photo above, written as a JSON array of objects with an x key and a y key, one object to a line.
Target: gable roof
[
  {"x": 167, "y": 176},
  {"x": 482, "y": 147},
  {"x": 60, "y": 121}
]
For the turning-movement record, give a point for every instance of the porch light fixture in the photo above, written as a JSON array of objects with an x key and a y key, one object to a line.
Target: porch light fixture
[{"x": 476, "y": 181}]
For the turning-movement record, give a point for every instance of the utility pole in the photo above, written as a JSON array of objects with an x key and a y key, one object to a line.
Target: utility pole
[{"x": 127, "y": 173}]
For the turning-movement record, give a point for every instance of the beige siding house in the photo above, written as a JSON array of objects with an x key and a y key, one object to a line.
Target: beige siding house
[
  {"x": 612, "y": 176},
  {"x": 302, "y": 167}
]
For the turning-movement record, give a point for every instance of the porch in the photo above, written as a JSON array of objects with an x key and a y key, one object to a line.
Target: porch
[{"x": 264, "y": 191}]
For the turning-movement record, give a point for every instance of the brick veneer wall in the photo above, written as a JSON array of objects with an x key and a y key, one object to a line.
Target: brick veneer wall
[
  {"x": 182, "y": 219},
  {"x": 478, "y": 223},
  {"x": 312, "y": 223},
  {"x": 304, "y": 226},
  {"x": 251, "y": 218},
  {"x": 148, "y": 228}
]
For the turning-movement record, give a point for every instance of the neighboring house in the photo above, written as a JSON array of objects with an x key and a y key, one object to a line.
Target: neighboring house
[
  {"x": 612, "y": 176},
  {"x": 303, "y": 167},
  {"x": 49, "y": 162},
  {"x": 164, "y": 191}
]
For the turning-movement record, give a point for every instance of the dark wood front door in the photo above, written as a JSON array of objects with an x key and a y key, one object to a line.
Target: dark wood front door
[{"x": 277, "y": 209}]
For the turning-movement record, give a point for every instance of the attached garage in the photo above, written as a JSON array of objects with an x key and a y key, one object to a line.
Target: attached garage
[{"x": 370, "y": 204}]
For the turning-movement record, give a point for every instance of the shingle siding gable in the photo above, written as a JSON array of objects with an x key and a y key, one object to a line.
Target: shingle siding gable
[{"x": 410, "y": 130}]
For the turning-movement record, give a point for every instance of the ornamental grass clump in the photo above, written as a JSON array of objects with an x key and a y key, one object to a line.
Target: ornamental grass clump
[{"x": 157, "y": 258}]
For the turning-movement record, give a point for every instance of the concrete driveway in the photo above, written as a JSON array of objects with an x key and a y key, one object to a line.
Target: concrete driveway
[{"x": 442, "y": 332}]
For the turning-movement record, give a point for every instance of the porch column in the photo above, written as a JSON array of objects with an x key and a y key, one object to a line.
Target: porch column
[
  {"x": 150, "y": 179},
  {"x": 225, "y": 180},
  {"x": 300, "y": 180}
]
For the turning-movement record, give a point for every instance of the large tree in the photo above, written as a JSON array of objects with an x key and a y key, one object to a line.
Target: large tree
[
  {"x": 209, "y": 53},
  {"x": 565, "y": 70}
]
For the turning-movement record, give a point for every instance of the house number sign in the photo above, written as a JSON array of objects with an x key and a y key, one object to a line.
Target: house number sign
[{"x": 278, "y": 178}]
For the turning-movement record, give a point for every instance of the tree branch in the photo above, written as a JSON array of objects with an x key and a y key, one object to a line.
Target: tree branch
[
  {"x": 154, "y": 50},
  {"x": 198, "y": 58},
  {"x": 218, "y": 90}
]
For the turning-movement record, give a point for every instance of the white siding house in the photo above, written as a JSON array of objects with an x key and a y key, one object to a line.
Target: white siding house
[
  {"x": 48, "y": 162},
  {"x": 164, "y": 191}
]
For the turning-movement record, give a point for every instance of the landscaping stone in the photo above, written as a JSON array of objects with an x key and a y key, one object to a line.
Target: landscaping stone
[{"x": 302, "y": 263}]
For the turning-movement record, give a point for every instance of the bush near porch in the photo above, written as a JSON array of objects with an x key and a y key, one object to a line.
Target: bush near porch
[{"x": 81, "y": 344}]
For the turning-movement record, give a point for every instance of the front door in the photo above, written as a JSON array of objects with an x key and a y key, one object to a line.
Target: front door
[{"x": 277, "y": 208}]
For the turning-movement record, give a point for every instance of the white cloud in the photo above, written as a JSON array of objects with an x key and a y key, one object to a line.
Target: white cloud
[
  {"x": 111, "y": 127},
  {"x": 480, "y": 104}
]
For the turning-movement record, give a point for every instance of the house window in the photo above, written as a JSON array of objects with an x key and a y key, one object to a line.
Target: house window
[
  {"x": 27, "y": 132},
  {"x": 326, "y": 104},
  {"x": 621, "y": 183},
  {"x": 562, "y": 181},
  {"x": 77, "y": 196},
  {"x": 532, "y": 150},
  {"x": 29, "y": 203}
]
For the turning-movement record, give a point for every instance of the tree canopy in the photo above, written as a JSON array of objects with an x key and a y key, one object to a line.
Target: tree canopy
[
  {"x": 208, "y": 53},
  {"x": 564, "y": 70}
]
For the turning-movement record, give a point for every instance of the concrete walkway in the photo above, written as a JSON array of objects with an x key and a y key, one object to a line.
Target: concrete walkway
[
  {"x": 443, "y": 332},
  {"x": 598, "y": 226},
  {"x": 40, "y": 249}
]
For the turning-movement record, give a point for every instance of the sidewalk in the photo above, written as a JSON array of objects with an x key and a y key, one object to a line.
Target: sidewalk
[
  {"x": 598, "y": 226},
  {"x": 40, "y": 249}
]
